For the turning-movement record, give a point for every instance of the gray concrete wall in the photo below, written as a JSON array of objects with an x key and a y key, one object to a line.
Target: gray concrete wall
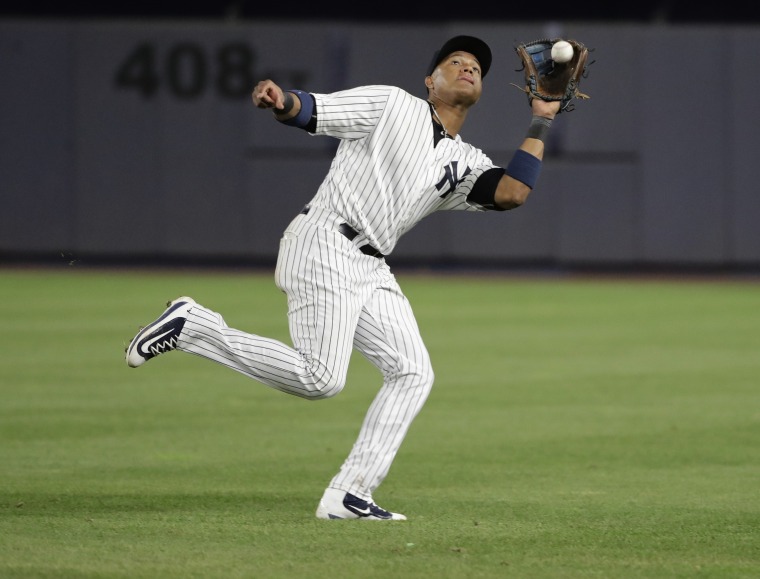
[{"x": 659, "y": 167}]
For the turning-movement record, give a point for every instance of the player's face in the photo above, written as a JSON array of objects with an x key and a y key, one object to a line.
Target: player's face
[{"x": 458, "y": 75}]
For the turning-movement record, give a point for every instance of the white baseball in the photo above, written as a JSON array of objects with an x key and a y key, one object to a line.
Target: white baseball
[{"x": 562, "y": 51}]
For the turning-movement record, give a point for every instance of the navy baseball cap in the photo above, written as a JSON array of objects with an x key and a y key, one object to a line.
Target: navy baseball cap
[{"x": 470, "y": 44}]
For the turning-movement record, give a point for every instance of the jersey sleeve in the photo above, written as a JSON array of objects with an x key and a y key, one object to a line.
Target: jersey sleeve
[{"x": 351, "y": 114}]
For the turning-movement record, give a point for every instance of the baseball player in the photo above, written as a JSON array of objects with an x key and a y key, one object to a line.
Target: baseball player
[{"x": 400, "y": 158}]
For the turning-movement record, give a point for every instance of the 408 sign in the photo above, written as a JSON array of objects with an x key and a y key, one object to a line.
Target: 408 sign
[{"x": 187, "y": 70}]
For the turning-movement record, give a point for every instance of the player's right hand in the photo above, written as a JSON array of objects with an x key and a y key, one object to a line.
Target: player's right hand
[{"x": 267, "y": 94}]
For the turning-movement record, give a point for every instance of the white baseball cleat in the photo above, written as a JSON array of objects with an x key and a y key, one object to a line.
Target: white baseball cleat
[
  {"x": 159, "y": 336},
  {"x": 337, "y": 504}
]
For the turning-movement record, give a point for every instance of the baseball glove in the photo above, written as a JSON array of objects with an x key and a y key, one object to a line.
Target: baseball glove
[{"x": 548, "y": 80}]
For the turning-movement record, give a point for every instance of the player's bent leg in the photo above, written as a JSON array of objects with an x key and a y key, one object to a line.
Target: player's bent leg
[
  {"x": 266, "y": 360},
  {"x": 188, "y": 326}
]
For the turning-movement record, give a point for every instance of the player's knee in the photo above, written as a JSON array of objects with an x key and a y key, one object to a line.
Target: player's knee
[
  {"x": 421, "y": 368},
  {"x": 418, "y": 374},
  {"x": 329, "y": 391},
  {"x": 322, "y": 381},
  {"x": 427, "y": 374},
  {"x": 327, "y": 387},
  {"x": 430, "y": 375}
]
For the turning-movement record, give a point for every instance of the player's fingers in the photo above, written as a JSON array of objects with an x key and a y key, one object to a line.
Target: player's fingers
[
  {"x": 275, "y": 98},
  {"x": 268, "y": 95},
  {"x": 265, "y": 95},
  {"x": 261, "y": 99}
]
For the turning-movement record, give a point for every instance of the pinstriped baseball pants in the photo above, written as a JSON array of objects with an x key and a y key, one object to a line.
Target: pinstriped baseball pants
[{"x": 338, "y": 299}]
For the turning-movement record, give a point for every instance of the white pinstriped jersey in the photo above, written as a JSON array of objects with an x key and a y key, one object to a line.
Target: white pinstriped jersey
[{"x": 387, "y": 174}]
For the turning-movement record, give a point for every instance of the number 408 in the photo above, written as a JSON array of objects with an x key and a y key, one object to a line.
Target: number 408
[{"x": 186, "y": 71}]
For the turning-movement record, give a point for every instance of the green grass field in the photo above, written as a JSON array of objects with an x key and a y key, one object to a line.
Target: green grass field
[{"x": 577, "y": 428}]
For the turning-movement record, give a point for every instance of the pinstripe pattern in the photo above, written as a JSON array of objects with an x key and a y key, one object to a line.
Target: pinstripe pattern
[
  {"x": 385, "y": 177},
  {"x": 387, "y": 335}
]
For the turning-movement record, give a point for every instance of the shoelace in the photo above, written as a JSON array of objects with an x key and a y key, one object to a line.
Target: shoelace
[{"x": 161, "y": 347}]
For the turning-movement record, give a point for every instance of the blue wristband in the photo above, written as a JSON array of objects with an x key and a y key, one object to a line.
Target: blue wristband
[
  {"x": 524, "y": 167},
  {"x": 304, "y": 115}
]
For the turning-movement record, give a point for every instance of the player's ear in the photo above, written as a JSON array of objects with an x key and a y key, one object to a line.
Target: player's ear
[{"x": 429, "y": 82}]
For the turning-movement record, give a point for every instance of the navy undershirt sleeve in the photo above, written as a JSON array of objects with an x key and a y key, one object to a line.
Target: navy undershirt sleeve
[{"x": 484, "y": 190}]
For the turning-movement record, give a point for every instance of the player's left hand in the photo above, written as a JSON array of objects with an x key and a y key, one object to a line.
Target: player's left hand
[
  {"x": 548, "y": 109},
  {"x": 551, "y": 80}
]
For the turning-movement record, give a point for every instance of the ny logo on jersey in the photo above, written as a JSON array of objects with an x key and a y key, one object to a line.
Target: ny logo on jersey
[{"x": 450, "y": 179}]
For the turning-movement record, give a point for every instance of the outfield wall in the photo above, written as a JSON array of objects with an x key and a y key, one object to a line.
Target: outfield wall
[{"x": 137, "y": 139}]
